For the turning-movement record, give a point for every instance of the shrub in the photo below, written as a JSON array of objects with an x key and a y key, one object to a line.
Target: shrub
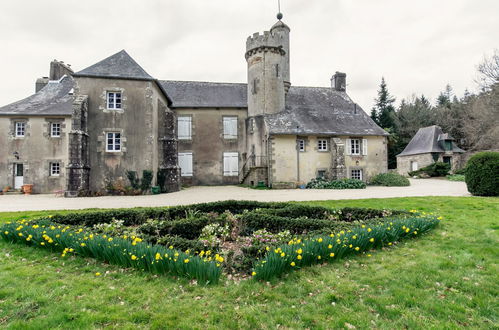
[
  {"x": 115, "y": 250},
  {"x": 321, "y": 183},
  {"x": 298, "y": 253},
  {"x": 390, "y": 180},
  {"x": 182, "y": 244},
  {"x": 134, "y": 180},
  {"x": 455, "y": 177},
  {"x": 461, "y": 171},
  {"x": 433, "y": 170},
  {"x": 145, "y": 184},
  {"x": 482, "y": 174}
]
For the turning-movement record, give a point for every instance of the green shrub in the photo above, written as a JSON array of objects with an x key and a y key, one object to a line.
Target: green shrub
[
  {"x": 482, "y": 174},
  {"x": 115, "y": 250},
  {"x": 321, "y": 183},
  {"x": 390, "y": 180},
  {"x": 182, "y": 244},
  {"x": 461, "y": 171},
  {"x": 318, "y": 250},
  {"x": 133, "y": 178},
  {"x": 455, "y": 177},
  {"x": 161, "y": 180},
  {"x": 433, "y": 170},
  {"x": 145, "y": 184}
]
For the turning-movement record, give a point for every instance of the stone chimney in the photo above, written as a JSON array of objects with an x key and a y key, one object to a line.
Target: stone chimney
[
  {"x": 40, "y": 83},
  {"x": 339, "y": 81},
  {"x": 58, "y": 69}
]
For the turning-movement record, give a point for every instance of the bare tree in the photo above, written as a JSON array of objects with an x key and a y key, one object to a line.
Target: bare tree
[{"x": 488, "y": 71}]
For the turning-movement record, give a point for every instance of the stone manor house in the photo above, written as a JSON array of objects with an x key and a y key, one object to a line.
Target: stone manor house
[{"x": 81, "y": 130}]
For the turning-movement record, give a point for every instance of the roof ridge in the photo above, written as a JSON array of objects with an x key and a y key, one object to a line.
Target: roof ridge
[{"x": 205, "y": 82}]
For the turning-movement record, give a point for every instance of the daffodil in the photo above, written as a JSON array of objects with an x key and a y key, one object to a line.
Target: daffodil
[
  {"x": 371, "y": 240},
  {"x": 292, "y": 264},
  {"x": 134, "y": 257}
]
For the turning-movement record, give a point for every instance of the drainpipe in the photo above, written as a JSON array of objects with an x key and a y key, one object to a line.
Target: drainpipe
[{"x": 297, "y": 157}]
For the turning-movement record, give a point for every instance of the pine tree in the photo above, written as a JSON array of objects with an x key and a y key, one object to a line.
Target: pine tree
[{"x": 384, "y": 109}]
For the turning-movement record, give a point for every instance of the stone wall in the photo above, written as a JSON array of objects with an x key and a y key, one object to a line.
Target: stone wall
[
  {"x": 208, "y": 144},
  {"x": 36, "y": 150}
]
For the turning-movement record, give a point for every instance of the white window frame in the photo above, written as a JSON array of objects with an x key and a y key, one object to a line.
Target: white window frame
[
  {"x": 187, "y": 122},
  {"x": 358, "y": 177},
  {"x": 112, "y": 103},
  {"x": 20, "y": 129},
  {"x": 184, "y": 172},
  {"x": 55, "y": 129},
  {"x": 230, "y": 127},
  {"x": 116, "y": 141},
  {"x": 301, "y": 145},
  {"x": 55, "y": 169},
  {"x": 355, "y": 147},
  {"x": 231, "y": 164},
  {"x": 323, "y": 176},
  {"x": 322, "y": 145}
]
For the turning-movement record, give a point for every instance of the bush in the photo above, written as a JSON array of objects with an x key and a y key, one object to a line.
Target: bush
[
  {"x": 134, "y": 180},
  {"x": 300, "y": 253},
  {"x": 461, "y": 171},
  {"x": 433, "y": 170},
  {"x": 145, "y": 184},
  {"x": 115, "y": 250},
  {"x": 321, "y": 183},
  {"x": 390, "y": 180},
  {"x": 482, "y": 174}
]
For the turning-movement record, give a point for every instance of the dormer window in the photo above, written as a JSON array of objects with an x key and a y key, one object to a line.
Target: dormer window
[{"x": 114, "y": 100}]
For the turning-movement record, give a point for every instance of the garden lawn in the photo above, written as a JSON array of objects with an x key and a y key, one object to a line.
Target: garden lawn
[{"x": 445, "y": 279}]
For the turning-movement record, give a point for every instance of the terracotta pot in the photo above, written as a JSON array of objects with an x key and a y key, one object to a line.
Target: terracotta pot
[{"x": 28, "y": 189}]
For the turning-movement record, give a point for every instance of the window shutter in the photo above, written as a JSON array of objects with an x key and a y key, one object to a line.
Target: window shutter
[
  {"x": 364, "y": 146},
  {"x": 348, "y": 147},
  {"x": 231, "y": 163},
  {"x": 185, "y": 163},
  {"x": 230, "y": 127},
  {"x": 184, "y": 127}
]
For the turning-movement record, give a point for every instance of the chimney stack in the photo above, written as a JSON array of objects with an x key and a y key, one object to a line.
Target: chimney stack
[
  {"x": 58, "y": 69},
  {"x": 339, "y": 81}
]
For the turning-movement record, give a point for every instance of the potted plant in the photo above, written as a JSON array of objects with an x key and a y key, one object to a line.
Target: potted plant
[
  {"x": 5, "y": 189},
  {"x": 28, "y": 189}
]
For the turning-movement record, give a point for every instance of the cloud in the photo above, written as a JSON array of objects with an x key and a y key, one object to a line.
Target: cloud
[{"x": 418, "y": 47}]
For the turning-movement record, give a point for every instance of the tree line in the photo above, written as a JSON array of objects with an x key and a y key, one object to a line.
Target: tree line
[{"x": 472, "y": 120}]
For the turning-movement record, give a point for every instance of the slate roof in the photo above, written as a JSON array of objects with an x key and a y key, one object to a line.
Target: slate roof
[
  {"x": 120, "y": 66},
  {"x": 315, "y": 110},
  {"x": 322, "y": 110},
  {"x": 197, "y": 94},
  {"x": 427, "y": 140},
  {"x": 52, "y": 100}
]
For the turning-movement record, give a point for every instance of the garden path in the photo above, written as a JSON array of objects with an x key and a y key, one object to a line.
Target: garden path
[{"x": 421, "y": 187}]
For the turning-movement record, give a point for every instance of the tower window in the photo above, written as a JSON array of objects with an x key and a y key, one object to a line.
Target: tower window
[
  {"x": 113, "y": 142},
  {"x": 277, "y": 70},
  {"x": 254, "y": 87}
]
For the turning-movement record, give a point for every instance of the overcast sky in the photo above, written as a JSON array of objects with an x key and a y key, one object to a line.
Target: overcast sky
[{"x": 418, "y": 46}]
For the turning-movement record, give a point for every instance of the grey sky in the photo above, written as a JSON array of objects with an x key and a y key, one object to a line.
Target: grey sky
[{"x": 418, "y": 46}]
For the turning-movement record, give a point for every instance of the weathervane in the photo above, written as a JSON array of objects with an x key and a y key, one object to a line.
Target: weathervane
[{"x": 279, "y": 14}]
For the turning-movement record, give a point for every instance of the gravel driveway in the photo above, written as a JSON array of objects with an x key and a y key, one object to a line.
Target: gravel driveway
[{"x": 422, "y": 187}]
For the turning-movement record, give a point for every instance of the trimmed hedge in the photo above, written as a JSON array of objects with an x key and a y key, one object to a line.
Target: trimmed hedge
[
  {"x": 321, "y": 183},
  {"x": 390, "y": 180},
  {"x": 482, "y": 174}
]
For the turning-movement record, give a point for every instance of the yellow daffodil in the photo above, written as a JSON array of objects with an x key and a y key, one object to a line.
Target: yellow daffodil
[
  {"x": 329, "y": 246},
  {"x": 299, "y": 251},
  {"x": 253, "y": 273},
  {"x": 319, "y": 257},
  {"x": 134, "y": 257},
  {"x": 371, "y": 240},
  {"x": 186, "y": 261},
  {"x": 331, "y": 255},
  {"x": 357, "y": 248},
  {"x": 319, "y": 240},
  {"x": 292, "y": 264},
  {"x": 299, "y": 257},
  {"x": 97, "y": 274}
]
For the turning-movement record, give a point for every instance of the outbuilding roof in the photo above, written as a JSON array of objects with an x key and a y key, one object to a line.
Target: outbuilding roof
[
  {"x": 55, "y": 99},
  {"x": 426, "y": 140}
]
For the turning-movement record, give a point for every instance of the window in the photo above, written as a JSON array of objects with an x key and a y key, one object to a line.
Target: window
[
  {"x": 113, "y": 142},
  {"x": 114, "y": 100},
  {"x": 414, "y": 166},
  {"x": 231, "y": 164},
  {"x": 184, "y": 127},
  {"x": 55, "y": 129},
  {"x": 230, "y": 127},
  {"x": 55, "y": 169},
  {"x": 185, "y": 163},
  {"x": 322, "y": 145},
  {"x": 355, "y": 146},
  {"x": 301, "y": 145},
  {"x": 20, "y": 129},
  {"x": 321, "y": 174},
  {"x": 356, "y": 174}
]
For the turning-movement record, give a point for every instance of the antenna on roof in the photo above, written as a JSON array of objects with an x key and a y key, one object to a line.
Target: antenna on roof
[{"x": 279, "y": 14}]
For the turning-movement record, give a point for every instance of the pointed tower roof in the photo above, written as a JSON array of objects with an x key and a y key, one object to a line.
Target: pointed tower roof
[
  {"x": 427, "y": 140},
  {"x": 120, "y": 65}
]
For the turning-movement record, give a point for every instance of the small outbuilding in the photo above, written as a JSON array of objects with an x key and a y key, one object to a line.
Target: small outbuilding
[{"x": 429, "y": 145}]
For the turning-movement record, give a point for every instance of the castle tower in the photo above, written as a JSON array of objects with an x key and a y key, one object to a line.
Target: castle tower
[{"x": 267, "y": 56}]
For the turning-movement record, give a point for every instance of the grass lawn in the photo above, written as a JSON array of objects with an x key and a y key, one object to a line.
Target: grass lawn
[{"x": 446, "y": 279}]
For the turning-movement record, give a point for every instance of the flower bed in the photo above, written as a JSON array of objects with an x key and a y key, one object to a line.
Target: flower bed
[{"x": 201, "y": 241}]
